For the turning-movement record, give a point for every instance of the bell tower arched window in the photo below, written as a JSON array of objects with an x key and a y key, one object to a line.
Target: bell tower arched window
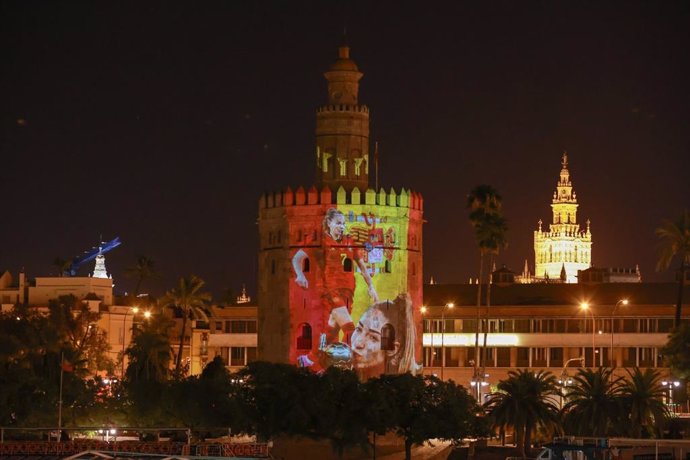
[{"x": 306, "y": 265}]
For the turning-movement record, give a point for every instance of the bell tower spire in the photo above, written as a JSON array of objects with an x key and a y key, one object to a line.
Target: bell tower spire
[
  {"x": 342, "y": 129},
  {"x": 565, "y": 248}
]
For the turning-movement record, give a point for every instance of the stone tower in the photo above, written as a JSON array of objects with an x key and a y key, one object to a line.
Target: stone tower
[
  {"x": 565, "y": 248},
  {"x": 342, "y": 129},
  {"x": 340, "y": 259}
]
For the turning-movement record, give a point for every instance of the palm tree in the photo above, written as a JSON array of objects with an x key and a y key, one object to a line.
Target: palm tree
[
  {"x": 62, "y": 265},
  {"x": 676, "y": 352},
  {"x": 484, "y": 204},
  {"x": 675, "y": 241},
  {"x": 594, "y": 405},
  {"x": 143, "y": 269},
  {"x": 643, "y": 397},
  {"x": 191, "y": 301},
  {"x": 524, "y": 401},
  {"x": 149, "y": 355}
]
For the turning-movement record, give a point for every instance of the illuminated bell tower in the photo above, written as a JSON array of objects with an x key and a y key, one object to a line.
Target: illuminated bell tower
[
  {"x": 564, "y": 248},
  {"x": 342, "y": 129}
]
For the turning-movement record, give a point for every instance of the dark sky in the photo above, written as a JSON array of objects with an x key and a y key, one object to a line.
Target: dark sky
[{"x": 163, "y": 122}]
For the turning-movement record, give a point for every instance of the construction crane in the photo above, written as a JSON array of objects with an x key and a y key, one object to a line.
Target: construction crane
[{"x": 91, "y": 254}]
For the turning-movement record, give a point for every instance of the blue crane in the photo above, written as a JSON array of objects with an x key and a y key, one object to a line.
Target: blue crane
[{"x": 91, "y": 254}]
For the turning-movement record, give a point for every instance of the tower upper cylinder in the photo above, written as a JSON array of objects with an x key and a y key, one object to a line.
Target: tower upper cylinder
[{"x": 342, "y": 129}]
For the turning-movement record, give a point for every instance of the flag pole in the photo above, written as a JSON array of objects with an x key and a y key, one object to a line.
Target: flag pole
[{"x": 62, "y": 373}]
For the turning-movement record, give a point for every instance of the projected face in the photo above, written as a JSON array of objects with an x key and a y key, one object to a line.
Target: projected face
[
  {"x": 335, "y": 222},
  {"x": 366, "y": 341}
]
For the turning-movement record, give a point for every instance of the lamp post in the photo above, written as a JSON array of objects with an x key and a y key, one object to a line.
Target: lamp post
[
  {"x": 565, "y": 380},
  {"x": 613, "y": 318},
  {"x": 671, "y": 384},
  {"x": 424, "y": 310},
  {"x": 449, "y": 306},
  {"x": 585, "y": 307}
]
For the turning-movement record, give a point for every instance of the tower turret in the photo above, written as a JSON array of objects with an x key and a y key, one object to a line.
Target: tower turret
[{"x": 342, "y": 129}]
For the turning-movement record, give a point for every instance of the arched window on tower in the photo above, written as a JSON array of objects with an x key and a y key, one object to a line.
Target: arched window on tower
[
  {"x": 306, "y": 265},
  {"x": 331, "y": 166},
  {"x": 347, "y": 264},
  {"x": 304, "y": 339},
  {"x": 387, "y": 266},
  {"x": 388, "y": 338}
]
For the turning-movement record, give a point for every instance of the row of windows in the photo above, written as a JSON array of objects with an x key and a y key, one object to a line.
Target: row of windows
[
  {"x": 543, "y": 357},
  {"x": 577, "y": 325},
  {"x": 237, "y": 356},
  {"x": 236, "y": 326}
]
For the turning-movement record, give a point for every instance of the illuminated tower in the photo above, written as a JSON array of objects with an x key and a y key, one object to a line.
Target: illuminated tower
[
  {"x": 329, "y": 251},
  {"x": 342, "y": 129},
  {"x": 99, "y": 270},
  {"x": 564, "y": 249}
]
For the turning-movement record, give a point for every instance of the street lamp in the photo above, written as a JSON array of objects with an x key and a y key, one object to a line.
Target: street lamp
[
  {"x": 670, "y": 384},
  {"x": 449, "y": 306},
  {"x": 564, "y": 381},
  {"x": 613, "y": 318},
  {"x": 585, "y": 307}
]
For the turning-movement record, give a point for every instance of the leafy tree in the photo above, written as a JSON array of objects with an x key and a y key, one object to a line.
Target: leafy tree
[
  {"x": 189, "y": 299},
  {"x": 419, "y": 408},
  {"x": 274, "y": 400},
  {"x": 642, "y": 396},
  {"x": 338, "y": 411},
  {"x": 594, "y": 405},
  {"x": 210, "y": 405},
  {"x": 144, "y": 269},
  {"x": 675, "y": 242},
  {"x": 77, "y": 326},
  {"x": 677, "y": 351},
  {"x": 524, "y": 401},
  {"x": 485, "y": 213},
  {"x": 31, "y": 349}
]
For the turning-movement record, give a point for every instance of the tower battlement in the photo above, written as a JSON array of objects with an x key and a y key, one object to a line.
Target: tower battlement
[{"x": 301, "y": 197}]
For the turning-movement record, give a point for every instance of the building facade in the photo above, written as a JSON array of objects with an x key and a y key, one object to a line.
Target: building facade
[
  {"x": 340, "y": 259},
  {"x": 544, "y": 326},
  {"x": 565, "y": 248}
]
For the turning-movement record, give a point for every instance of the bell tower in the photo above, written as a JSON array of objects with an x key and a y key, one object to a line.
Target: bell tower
[
  {"x": 342, "y": 129},
  {"x": 564, "y": 249}
]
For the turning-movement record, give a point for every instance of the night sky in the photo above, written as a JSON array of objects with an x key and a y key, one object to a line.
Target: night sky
[{"x": 163, "y": 122}]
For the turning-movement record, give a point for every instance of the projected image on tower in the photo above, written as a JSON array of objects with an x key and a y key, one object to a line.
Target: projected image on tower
[{"x": 350, "y": 279}]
